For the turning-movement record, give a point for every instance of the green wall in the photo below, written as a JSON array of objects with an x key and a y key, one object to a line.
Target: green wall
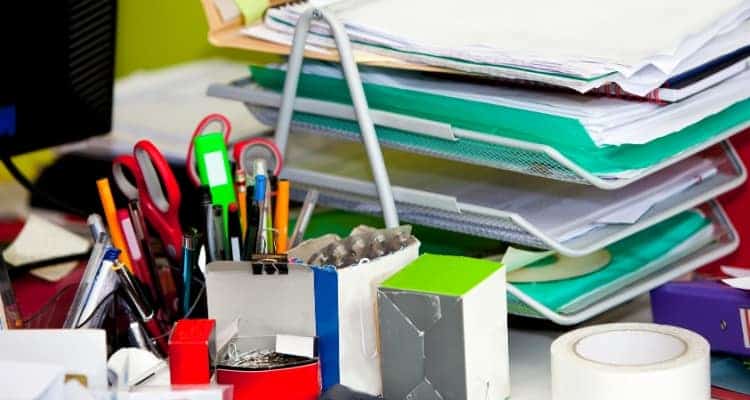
[{"x": 157, "y": 33}]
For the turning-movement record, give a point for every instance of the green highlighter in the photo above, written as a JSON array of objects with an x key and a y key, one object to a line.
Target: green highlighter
[{"x": 215, "y": 172}]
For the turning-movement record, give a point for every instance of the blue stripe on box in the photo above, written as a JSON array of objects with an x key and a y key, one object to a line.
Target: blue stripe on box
[
  {"x": 327, "y": 323},
  {"x": 8, "y": 121}
]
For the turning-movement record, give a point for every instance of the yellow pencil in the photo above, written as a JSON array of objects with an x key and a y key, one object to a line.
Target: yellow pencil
[{"x": 110, "y": 213}]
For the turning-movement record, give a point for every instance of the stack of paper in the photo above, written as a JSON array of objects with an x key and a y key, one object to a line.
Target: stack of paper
[
  {"x": 559, "y": 210},
  {"x": 585, "y": 44},
  {"x": 479, "y": 123},
  {"x": 613, "y": 97},
  {"x": 608, "y": 121}
]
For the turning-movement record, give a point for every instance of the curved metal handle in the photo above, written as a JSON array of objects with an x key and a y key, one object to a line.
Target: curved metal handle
[{"x": 361, "y": 109}]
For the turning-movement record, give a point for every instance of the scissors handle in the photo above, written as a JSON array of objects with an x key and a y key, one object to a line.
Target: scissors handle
[
  {"x": 268, "y": 146},
  {"x": 160, "y": 209},
  {"x": 126, "y": 162},
  {"x": 226, "y": 128}
]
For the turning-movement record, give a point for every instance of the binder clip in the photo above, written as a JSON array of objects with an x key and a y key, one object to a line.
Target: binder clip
[{"x": 270, "y": 264}]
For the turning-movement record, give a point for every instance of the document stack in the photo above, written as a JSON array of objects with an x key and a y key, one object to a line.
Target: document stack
[{"x": 595, "y": 132}]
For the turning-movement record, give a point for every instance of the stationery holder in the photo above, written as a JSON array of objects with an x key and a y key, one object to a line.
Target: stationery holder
[
  {"x": 440, "y": 140},
  {"x": 446, "y": 212},
  {"x": 336, "y": 305},
  {"x": 463, "y": 215}
]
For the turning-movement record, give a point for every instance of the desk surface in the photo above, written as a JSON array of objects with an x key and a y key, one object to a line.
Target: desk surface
[{"x": 529, "y": 350}]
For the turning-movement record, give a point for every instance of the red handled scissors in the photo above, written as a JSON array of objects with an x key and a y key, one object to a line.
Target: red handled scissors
[{"x": 153, "y": 176}]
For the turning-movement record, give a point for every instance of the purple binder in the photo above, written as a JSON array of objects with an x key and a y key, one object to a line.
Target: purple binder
[{"x": 719, "y": 313}]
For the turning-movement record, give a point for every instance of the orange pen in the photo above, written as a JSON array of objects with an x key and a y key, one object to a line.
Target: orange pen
[
  {"x": 281, "y": 217},
  {"x": 241, "y": 182},
  {"x": 110, "y": 213}
]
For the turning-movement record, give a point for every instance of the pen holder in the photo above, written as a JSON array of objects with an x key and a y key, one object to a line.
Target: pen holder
[
  {"x": 336, "y": 305},
  {"x": 265, "y": 374}
]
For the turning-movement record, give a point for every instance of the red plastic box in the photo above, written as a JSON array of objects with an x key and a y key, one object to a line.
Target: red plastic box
[{"x": 192, "y": 350}]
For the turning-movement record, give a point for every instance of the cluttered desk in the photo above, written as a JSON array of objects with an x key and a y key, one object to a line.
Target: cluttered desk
[{"x": 421, "y": 200}]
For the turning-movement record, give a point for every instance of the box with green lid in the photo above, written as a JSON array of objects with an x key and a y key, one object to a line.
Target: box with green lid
[{"x": 443, "y": 330}]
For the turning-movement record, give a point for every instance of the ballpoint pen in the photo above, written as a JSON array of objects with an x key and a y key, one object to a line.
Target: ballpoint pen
[
  {"x": 235, "y": 233},
  {"x": 87, "y": 281},
  {"x": 189, "y": 248},
  {"x": 141, "y": 233},
  {"x": 135, "y": 333},
  {"x": 140, "y": 306},
  {"x": 268, "y": 212},
  {"x": 253, "y": 218},
  {"x": 260, "y": 168},
  {"x": 207, "y": 220},
  {"x": 103, "y": 280},
  {"x": 241, "y": 183},
  {"x": 220, "y": 247},
  {"x": 261, "y": 245},
  {"x": 96, "y": 226}
]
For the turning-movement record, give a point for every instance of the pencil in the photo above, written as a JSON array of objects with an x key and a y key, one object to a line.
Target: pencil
[
  {"x": 281, "y": 219},
  {"x": 110, "y": 214}
]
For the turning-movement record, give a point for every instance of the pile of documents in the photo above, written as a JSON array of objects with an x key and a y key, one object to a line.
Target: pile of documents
[
  {"x": 580, "y": 45},
  {"x": 494, "y": 81},
  {"x": 609, "y": 137}
]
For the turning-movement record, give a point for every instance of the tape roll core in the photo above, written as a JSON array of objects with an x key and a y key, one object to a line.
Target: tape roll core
[{"x": 630, "y": 348}]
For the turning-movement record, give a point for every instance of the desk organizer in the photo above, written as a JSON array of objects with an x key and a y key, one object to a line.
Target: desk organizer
[
  {"x": 339, "y": 171},
  {"x": 312, "y": 164},
  {"x": 441, "y": 140},
  {"x": 724, "y": 241}
]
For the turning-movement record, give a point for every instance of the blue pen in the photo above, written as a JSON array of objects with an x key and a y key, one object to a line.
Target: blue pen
[
  {"x": 188, "y": 259},
  {"x": 261, "y": 246}
]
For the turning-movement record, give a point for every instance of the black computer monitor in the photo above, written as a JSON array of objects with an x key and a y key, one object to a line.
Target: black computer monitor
[{"x": 57, "y": 72}]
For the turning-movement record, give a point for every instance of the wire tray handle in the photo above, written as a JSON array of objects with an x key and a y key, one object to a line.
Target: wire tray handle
[{"x": 361, "y": 109}]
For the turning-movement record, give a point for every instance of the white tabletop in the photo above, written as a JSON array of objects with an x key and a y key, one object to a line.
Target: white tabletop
[{"x": 529, "y": 349}]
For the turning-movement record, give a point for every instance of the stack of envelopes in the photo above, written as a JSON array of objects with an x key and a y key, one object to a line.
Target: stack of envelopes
[{"x": 544, "y": 126}]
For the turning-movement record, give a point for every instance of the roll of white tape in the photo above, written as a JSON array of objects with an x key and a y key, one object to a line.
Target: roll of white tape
[{"x": 631, "y": 361}]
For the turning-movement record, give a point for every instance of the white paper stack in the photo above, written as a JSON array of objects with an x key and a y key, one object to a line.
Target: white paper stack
[
  {"x": 583, "y": 44},
  {"x": 608, "y": 120}
]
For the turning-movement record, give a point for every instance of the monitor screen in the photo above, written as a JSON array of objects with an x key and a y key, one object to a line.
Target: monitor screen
[{"x": 57, "y": 84}]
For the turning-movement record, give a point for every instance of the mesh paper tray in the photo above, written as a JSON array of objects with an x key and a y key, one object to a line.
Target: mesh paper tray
[
  {"x": 449, "y": 213},
  {"x": 725, "y": 241},
  {"x": 442, "y": 141}
]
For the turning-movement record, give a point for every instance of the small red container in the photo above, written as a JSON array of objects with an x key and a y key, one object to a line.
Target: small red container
[
  {"x": 298, "y": 381},
  {"x": 192, "y": 351}
]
